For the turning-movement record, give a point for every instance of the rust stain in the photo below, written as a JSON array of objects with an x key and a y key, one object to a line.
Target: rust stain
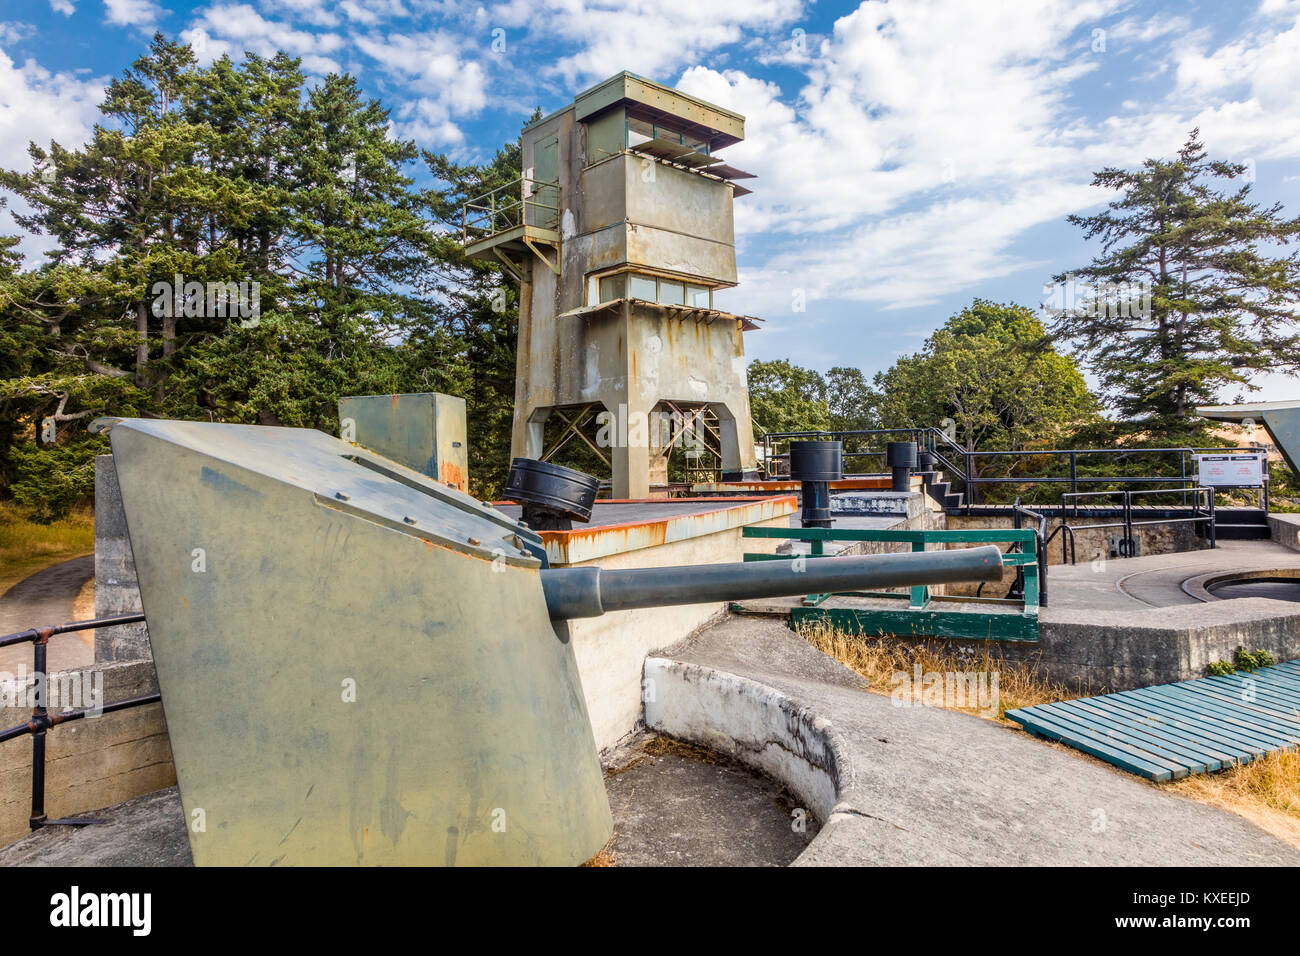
[
  {"x": 582, "y": 544},
  {"x": 396, "y": 399},
  {"x": 450, "y": 474}
]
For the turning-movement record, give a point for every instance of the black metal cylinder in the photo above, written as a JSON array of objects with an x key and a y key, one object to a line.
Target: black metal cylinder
[
  {"x": 816, "y": 460},
  {"x": 590, "y": 591},
  {"x": 816, "y": 504},
  {"x": 553, "y": 497},
  {"x": 814, "y": 464},
  {"x": 901, "y": 457}
]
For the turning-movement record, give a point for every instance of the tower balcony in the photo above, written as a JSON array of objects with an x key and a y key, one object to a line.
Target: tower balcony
[{"x": 508, "y": 223}]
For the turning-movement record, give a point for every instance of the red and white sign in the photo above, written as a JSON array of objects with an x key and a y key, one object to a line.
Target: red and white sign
[{"x": 1231, "y": 471}]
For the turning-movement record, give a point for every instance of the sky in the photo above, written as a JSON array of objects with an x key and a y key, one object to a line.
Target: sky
[{"x": 911, "y": 156}]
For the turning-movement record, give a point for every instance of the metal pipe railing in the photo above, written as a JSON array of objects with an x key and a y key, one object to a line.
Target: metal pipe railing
[{"x": 43, "y": 721}]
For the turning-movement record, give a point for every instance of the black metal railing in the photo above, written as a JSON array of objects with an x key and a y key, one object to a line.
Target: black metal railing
[
  {"x": 1198, "y": 501},
  {"x": 43, "y": 721},
  {"x": 1076, "y": 467}
]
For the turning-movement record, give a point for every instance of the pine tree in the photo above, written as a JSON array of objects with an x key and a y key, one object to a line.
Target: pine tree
[{"x": 1191, "y": 291}]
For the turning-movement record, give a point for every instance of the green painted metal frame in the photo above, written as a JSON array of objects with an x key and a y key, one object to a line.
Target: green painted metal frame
[{"x": 919, "y": 619}]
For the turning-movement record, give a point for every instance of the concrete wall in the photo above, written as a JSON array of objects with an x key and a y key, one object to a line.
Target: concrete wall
[
  {"x": 1095, "y": 652},
  {"x": 91, "y": 763},
  {"x": 116, "y": 589},
  {"x": 1286, "y": 529},
  {"x": 611, "y": 650},
  {"x": 1089, "y": 544}
]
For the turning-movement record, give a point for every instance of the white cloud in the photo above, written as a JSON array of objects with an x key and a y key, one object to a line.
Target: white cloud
[
  {"x": 12, "y": 32},
  {"x": 929, "y": 138},
  {"x": 133, "y": 13},
  {"x": 230, "y": 29},
  {"x": 64, "y": 7},
  {"x": 38, "y": 106},
  {"x": 652, "y": 37}
]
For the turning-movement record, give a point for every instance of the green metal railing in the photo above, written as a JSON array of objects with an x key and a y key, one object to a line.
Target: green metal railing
[
  {"x": 921, "y": 618},
  {"x": 523, "y": 201}
]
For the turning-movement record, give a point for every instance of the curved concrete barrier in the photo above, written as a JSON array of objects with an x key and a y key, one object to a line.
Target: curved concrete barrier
[{"x": 756, "y": 725}]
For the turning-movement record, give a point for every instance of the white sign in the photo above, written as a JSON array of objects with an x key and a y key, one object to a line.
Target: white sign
[{"x": 1231, "y": 471}]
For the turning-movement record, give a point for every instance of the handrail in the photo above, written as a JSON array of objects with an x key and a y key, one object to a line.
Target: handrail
[
  {"x": 1128, "y": 544},
  {"x": 43, "y": 721},
  {"x": 509, "y": 206},
  {"x": 961, "y": 464}
]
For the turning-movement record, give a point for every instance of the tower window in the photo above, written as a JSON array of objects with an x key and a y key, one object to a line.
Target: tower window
[{"x": 648, "y": 288}]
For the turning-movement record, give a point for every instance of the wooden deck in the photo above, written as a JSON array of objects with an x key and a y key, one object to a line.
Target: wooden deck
[{"x": 1172, "y": 730}]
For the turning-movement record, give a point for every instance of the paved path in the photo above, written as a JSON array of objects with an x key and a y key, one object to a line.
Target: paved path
[
  {"x": 921, "y": 785},
  {"x": 1156, "y": 580},
  {"x": 47, "y": 597}
]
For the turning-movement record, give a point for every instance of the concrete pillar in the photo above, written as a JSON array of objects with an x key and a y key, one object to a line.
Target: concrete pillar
[{"x": 116, "y": 589}]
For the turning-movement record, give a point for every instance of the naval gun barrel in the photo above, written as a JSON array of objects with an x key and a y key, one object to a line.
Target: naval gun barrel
[{"x": 590, "y": 592}]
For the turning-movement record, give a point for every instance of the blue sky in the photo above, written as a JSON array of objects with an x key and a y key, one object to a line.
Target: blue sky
[{"x": 911, "y": 155}]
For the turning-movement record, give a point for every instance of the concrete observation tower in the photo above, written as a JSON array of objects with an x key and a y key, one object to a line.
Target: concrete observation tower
[{"x": 620, "y": 233}]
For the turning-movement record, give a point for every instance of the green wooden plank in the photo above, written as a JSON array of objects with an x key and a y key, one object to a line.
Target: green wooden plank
[
  {"x": 1045, "y": 727},
  {"x": 1235, "y": 686},
  {"x": 1262, "y": 710},
  {"x": 1211, "y": 710},
  {"x": 1216, "y": 745},
  {"x": 1138, "y": 729},
  {"x": 1139, "y": 749},
  {"x": 1247, "y": 724},
  {"x": 1260, "y": 700},
  {"x": 1228, "y": 734}
]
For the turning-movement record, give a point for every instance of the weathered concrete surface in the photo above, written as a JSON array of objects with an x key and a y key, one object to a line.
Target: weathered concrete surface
[
  {"x": 1156, "y": 580},
  {"x": 90, "y": 763},
  {"x": 1285, "y": 529},
  {"x": 146, "y": 831},
  {"x": 689, "y": 807},
  {"x": 916, "y": 785},
  {"x": 47, "y": 597},
  {"x": 117, "y": 591}
]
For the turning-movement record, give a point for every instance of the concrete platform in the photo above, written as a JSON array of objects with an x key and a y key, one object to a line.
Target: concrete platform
[
  {"x": 903, "y": 786},
  {"x": 1157, "y": 580}
]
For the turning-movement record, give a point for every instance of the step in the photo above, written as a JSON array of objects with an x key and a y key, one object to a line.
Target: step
[
  {"x": 951, "y": 502},
  {"x": 1242, "y": 516},
  {"x": 1241, "y": 532}
]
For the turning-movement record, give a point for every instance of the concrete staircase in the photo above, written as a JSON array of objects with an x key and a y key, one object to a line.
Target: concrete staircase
[
  {"x": 938, "y": 487},
  {"x": 1241, "y": 524}
]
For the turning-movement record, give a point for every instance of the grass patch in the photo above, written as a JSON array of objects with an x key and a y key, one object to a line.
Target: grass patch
[
  {"x": 878, "y": 659},
  {"x": 26, "y": 547},
  {"x": 1266, "y": 792}
]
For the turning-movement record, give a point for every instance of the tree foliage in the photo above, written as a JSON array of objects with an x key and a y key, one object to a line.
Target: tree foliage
[
  {"x": 239, "y": 172},
  {"x": 1190, "y": 292},
  {"x": 991, "y": 371}
]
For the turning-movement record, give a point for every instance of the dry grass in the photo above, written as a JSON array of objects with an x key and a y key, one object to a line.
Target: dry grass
[
  {"x": 1265, "y": 792},
  {"x": 26, "y": 547},
  {"x": 878, "y": 659}
]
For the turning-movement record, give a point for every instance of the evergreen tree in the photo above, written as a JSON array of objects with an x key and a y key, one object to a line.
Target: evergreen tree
[{"x": 1190, "y": 293}]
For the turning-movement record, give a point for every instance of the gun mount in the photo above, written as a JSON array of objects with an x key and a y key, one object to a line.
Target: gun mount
[{"x": 360, "y": 665}]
